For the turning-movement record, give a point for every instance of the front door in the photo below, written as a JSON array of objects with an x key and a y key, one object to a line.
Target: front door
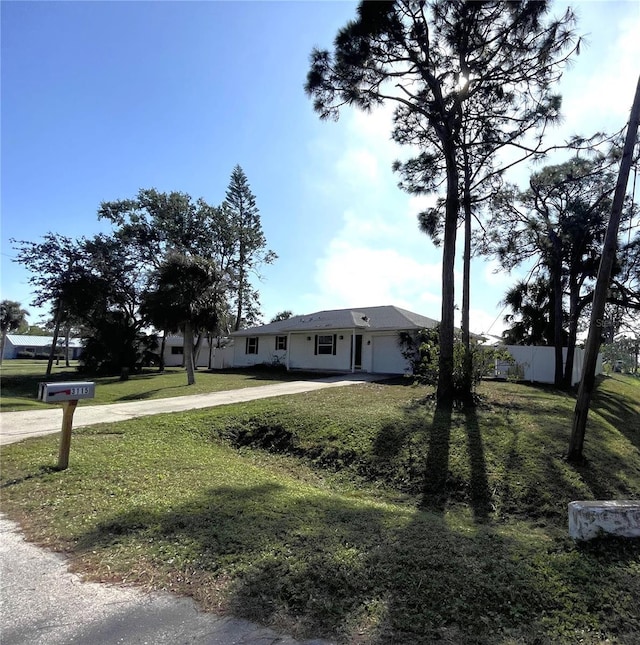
[{"x": 357, "y": 355}]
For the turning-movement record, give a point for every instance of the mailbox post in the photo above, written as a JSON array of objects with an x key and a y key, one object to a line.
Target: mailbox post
[{"x": 67, "y": 394}]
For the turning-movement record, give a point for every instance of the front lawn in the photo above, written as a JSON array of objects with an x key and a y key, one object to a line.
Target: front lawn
[
  {"x": 355, "y": 513},
  {"x": 19, "y": 383}
]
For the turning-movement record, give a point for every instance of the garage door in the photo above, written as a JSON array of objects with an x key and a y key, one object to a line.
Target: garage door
[{"x": 387, "y": 358}]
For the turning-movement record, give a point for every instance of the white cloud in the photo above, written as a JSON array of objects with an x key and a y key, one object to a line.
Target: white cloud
[
  {"x": 371, "y": 227},
  {"x": 353, "y": 275},
  {"x": 374, "y": 128},
  {"x": 495, "y": 276},
  {"x": 484, "y": 322},
  {"x": 598, "y": 90},
  {"x": 359, "y": 166},
  {"x": 377, "y": 255}
]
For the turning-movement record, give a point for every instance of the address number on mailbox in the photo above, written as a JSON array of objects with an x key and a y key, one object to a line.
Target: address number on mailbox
[{"x": 54, "y": 392}]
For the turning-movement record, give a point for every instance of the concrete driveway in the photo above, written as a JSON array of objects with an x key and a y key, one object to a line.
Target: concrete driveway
[{"x": 15, "y": 426}]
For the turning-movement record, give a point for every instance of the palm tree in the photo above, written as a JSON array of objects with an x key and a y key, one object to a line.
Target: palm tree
[
  {"x": 185, "y": 289},
  {"x": 12, "y": 317}
]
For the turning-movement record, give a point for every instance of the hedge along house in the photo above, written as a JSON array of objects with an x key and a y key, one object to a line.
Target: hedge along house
[{"x": 340, "y": 340}]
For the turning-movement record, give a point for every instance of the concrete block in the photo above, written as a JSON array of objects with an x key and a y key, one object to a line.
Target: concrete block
[{"x": 589, "y": 519}]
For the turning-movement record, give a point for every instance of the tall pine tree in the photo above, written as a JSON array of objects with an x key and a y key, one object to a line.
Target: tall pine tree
[
  {"x": 469, "y": 76},
  {"x": 250, "y": 245}
]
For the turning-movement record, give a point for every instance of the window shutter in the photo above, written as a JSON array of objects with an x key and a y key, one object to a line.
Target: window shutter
[
  {"x": 246, "y": 345},
  {"x": 334, "y": 344},
  {"x": 315, "y": 351},
  {"x": 257, "y": 341}
]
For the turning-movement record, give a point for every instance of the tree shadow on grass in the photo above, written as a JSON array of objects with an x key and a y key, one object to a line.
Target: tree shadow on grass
[
  {"x": 480, "y": 495},
  {"x": 39, "y": 472},
  {"x": 436, "y": 471},
  {"x": 616, "y": 410},
  {"x": 416, "y": 449},
  {"x": 322, "y": 565},
  {"x": 141, "y": 396},
  {"x": 536, "y": 482}
]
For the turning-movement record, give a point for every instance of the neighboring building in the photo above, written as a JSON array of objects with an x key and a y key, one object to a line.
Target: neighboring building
[
  {"x": 341, "y": 340},
  {"x": 38, "y": 346},
  {"x": 208, "y": 355}
]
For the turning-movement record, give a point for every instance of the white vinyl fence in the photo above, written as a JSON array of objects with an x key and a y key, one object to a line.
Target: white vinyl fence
[{"x": 537, "y": 364}]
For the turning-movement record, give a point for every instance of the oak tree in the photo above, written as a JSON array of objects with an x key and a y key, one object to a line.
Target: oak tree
[{"x": 12, "y": 317}]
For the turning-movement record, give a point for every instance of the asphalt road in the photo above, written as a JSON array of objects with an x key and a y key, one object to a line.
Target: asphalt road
[{"x": 41, "y": 603}]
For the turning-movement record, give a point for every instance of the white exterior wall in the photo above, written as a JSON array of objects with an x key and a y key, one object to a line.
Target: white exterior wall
[
  {"x": 176, "y": 360},
  {"x": 222, "y": 357},
  {"x": 367, "y": 353},
  {"x": 537, "y": 364},
  {"x": 302, "y": 348},
  {"x": 384, "y": 357},
  {"x": 267, "y": 352},
  {"x": 11, "y": 351},
  {"x": 298, "y": 351}
]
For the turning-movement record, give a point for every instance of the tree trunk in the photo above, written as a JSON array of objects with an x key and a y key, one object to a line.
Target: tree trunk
[
  {"x": 196, "y": 351},
  {"x": 240, "y": 294},
  {"x": 67, "y": 333},
  {"x": 163, "y": 346},
  {"x": 467, "y": 384},
  {"x": 557, "y": 316},
  {"x": 54, "y": 343},
  {"x": 188, "y": 352},
  {"x": 445, "y": 391},
  {"x": 576, "y": 442},
  {"x": 573, "y": 331}
]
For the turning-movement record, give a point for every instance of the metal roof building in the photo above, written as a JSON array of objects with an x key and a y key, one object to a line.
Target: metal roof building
[{"x": 22, "y": 343}]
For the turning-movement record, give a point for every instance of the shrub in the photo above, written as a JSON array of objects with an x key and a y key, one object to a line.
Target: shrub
[
  {"x": 422, "y": 350},
  {"x": 116, "y": 346}
]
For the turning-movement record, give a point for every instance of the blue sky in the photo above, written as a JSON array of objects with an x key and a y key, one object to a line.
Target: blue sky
[{"x": 100, "y": 99}]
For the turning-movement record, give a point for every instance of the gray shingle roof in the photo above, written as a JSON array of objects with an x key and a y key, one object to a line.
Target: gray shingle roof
[{"x": 386, "y": 317}]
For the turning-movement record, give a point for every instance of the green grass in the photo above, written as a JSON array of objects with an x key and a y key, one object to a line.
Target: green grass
[
  {"x": 355, "y": 513},
  {"x": 19, "y": 383}
]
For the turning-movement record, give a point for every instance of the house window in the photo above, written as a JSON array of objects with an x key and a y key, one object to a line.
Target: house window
[
  {"x": 176, "y": 350},
  {"x": 281, "y": 342},
  {"x": 326, "y": 344},
  {"x": 251, "y": 345}
]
